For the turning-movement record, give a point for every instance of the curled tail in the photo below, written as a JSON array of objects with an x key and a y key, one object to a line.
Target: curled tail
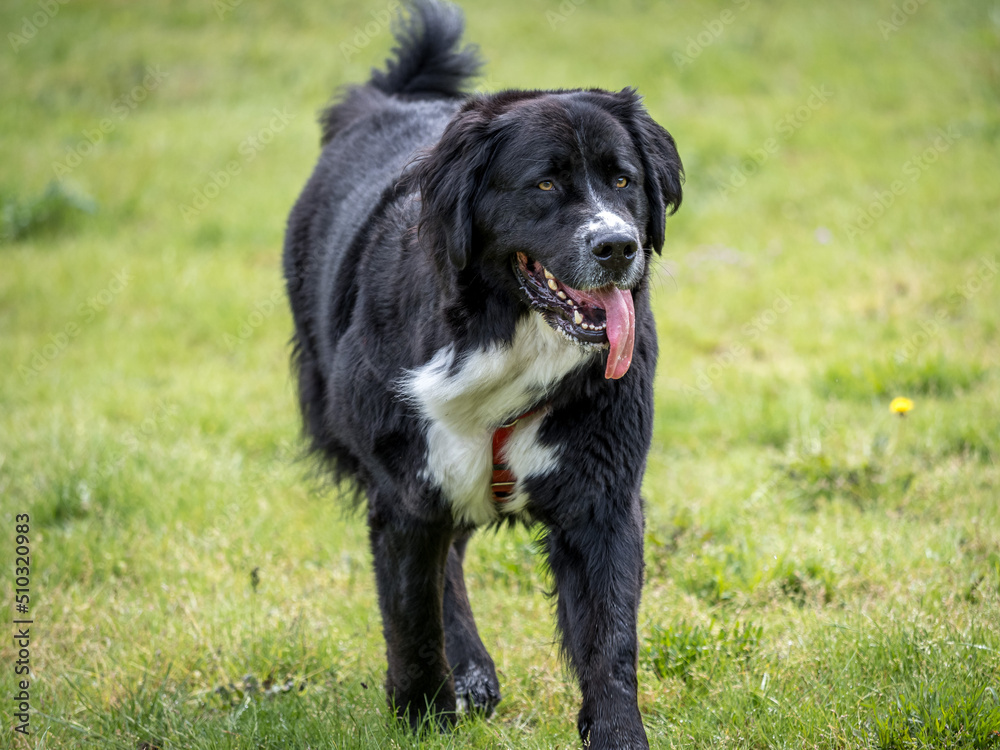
[
  {"x": 426, "y": 62},
  {"x": 426, "y": 59}
]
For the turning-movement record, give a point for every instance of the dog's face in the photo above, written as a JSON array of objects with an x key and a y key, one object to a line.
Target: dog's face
[{"x": 562, "y": 196}]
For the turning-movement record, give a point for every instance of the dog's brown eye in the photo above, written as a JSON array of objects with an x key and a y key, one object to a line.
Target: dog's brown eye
[
  {"x": 621, "y": 182},
  {"x": 545, "y": 185}
]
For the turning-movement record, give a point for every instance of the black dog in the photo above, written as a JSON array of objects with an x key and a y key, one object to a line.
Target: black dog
[{"x": 474, "y": 345}]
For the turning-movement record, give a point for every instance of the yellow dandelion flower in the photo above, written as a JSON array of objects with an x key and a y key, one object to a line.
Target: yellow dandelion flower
[{"x": 900, "y": 406}]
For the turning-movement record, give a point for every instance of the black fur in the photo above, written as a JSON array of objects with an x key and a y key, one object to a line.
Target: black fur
[{"x": 401, "y": 245}]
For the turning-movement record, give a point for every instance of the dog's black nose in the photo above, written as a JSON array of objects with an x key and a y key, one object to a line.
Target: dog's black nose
[{"x": 615, "y": 251}]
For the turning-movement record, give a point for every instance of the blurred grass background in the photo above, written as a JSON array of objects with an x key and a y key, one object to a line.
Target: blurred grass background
[{"x": 821, "y": 572}]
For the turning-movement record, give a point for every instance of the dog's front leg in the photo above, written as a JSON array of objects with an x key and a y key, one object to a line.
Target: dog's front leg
[
  {"x": 598, "y": 572},
  {"x": 475, "y": 675},
  {"x": 409, "y": 556}
]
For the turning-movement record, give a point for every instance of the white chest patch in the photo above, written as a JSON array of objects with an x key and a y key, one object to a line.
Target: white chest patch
[{"x": 465, "y": 401}]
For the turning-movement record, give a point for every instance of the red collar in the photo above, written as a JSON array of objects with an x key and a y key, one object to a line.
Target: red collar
[{"x": 502, "y": 483}]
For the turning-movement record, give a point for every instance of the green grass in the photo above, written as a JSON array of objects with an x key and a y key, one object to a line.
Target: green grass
[{"x": 821, "y": 573}]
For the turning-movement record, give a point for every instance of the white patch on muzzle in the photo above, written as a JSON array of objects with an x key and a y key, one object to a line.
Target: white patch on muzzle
[{"x": 612, "y": 222}]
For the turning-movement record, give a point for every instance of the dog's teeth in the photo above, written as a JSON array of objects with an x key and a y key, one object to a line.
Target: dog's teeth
[
  {"x": 577, "y": 317},
  {"x": 553, "y": 284},
  {"x": 561, "y": 294},
  {"x": 548, "y": 273}
]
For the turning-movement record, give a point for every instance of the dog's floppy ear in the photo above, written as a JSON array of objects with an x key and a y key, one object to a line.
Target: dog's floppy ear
[
  {"x": 663, "y": 168},
  {"x": 450, "y": 177}
]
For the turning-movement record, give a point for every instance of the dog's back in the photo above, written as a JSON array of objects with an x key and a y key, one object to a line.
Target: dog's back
[{"x": 369, "y": 137}]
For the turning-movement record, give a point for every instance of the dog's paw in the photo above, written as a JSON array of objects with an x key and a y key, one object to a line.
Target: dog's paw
[
  {"x": 477, "y": 690},
  {"x": 622, "y": 734}
]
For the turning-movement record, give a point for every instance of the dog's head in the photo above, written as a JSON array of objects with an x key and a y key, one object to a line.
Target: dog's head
[{"x": 562, "y": 193}]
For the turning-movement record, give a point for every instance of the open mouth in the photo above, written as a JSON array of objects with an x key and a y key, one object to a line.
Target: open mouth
[
  {"x": 595, "y": 317},
  {"x": 564, "y": 307}
]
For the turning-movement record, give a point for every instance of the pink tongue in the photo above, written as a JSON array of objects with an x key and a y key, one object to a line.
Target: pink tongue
[{"x": 620, "y": 311}]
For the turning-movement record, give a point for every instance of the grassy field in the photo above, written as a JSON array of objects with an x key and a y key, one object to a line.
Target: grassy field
[{"x": 821, "y": 572}]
